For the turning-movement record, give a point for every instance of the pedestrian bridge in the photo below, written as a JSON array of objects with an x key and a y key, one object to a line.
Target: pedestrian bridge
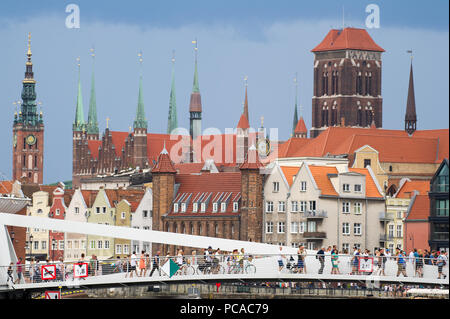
[{"x": 261, "y": 262}]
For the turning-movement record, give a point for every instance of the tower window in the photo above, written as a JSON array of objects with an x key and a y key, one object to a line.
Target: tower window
[{"x": 366, "y": 162}]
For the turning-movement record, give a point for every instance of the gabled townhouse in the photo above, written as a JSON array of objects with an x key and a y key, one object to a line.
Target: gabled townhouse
[
  {"x": 101, "y": 212},
  {"x": 58, "y": 211},
  {"x": 141, "y": 218},
  {"x": 78, "y": 209},
  {"x": 319, "y": 205},
  {"x": 39, "y": 238},
  {"x": 397, "y": 209}
]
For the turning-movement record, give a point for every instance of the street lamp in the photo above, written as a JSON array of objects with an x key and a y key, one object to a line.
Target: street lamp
[{"x": 53, "y": 250}]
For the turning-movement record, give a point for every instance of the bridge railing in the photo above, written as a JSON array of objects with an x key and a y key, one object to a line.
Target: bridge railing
[{"x": 260, "y": 266}]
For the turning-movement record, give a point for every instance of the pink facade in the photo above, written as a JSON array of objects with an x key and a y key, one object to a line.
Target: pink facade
[
  {"x": 56, "y": 239},
  {"x": 416, "y": 235}
]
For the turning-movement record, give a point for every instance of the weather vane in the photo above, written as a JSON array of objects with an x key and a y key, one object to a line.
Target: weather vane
[
  {"x": 246, "y": 80},
  {"x": 410, "y": 52}
]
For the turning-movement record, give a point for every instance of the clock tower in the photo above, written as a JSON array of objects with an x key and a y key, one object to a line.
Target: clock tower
[{"x": 28, "y": 131}]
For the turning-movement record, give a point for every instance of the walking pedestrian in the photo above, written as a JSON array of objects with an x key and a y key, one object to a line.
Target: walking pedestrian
[
  {"x": 10, "y": 273},
  {"x": 280, "y": 260},
  {"x": 401, "y": 263},
  {"x": 301, "y": 254},
  {"x": 441, "y": 262},
  {"x": 419, "y": 263},
  {"x": 335, "y": 262},
  {"x": 19, "y": 270},
  {"x": 321, "y": 257},
  {"x": 141, "y": 264},
  {"x": 156, "y": 263}
]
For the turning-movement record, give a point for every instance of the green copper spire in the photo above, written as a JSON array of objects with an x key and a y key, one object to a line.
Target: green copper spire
[
  {"x": 28, "y": 114},
  {"x": 294, "y": 124},
  {"x": 140, "y": 121},
  {"x": 172, "y": 120},
  {"x": 92, "y": 125},
  {"x": 79, "y": 124},
  {"x": 195, "y": 87}
]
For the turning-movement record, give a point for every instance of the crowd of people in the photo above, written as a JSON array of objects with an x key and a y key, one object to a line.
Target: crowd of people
[
  {"x": 236, "y": 261},
  {"x": 378, "y": 260}
]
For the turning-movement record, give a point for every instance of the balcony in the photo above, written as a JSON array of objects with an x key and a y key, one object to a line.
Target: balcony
[
  {"x": 311, "y": 214},
  {"x": 384, "y": 238},
  {"x": 386, "y": 217},
  {"x": 315, "y": 235}
]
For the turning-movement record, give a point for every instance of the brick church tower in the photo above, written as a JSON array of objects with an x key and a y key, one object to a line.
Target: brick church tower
[
  {"x": 28, "y": 131},
  {"x": 347, "y": 81},
  {"x": 163, "y": 174},
  {"x": 251, "y": 217}
]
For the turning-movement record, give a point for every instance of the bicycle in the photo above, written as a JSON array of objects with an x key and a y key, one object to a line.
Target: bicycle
[{"x": 206, "y": 269}]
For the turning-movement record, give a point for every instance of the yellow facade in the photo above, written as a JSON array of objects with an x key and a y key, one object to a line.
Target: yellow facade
[{"x": 122, "y": 218}]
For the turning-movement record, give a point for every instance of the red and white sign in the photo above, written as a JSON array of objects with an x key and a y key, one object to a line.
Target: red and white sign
[
  {"x": 80, "y": 270},
  {"x": 52, "y": 295},
  {"x": 48, "y": 272},
  {"x": 365, "y": 264}
]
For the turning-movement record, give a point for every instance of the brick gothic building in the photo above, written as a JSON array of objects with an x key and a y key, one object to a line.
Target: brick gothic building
[
  {"x": 28, "y": 132},
  {"x": 225, "y": 204},
  {"x": 347, "y": 81}
]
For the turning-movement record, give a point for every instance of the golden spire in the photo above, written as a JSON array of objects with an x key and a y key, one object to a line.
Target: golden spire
[{"x": 29, "y": 47}]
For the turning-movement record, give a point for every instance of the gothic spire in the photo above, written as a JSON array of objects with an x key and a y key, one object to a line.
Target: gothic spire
[
  {"x": 172, "y": 120},
  {"x": 246, "y": 99},
  {"x": 79, "y": 124},
  {"x": 140, "y": 121},
  {"x": 92, "y": 125},
  {"x": 410, "y": 116},
  {"x": 196, "y": 101},
  {"x": 294, "y": 124}
]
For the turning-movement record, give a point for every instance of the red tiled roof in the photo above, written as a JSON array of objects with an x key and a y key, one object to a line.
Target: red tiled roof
[
  {"x": 164, "y": 164},
  {"x": 188, "y": 168},
  {"x": 348, "y": 38},
  {"x": 93, "y": 146},
  {"x": 291, "y": 146},
  {"x": 89, "y": 197},
  {"x": 212, "y": 186},
  {"x": 301, "y": 126},
  {"x": 408, "y": 188},
  {"x": 420, "y": 209},
  {"x": 393, "y": 145},
  {"x": 6, "y": 187},
  {"x": 289, "y": 172},
  {"x": 371, "y": 187},
  {"x": 131, "y": 195},
  {"x": 320, "y": 174},
  {"x": 118, "y": 139}
]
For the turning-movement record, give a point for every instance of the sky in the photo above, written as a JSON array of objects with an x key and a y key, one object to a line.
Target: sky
[{"x": 268, "y": 41}]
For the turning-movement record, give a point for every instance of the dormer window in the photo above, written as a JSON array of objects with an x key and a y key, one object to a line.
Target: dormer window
[
  {"x": 57, "y": 212},
  {"x": 358, "y": 188},
  {"x": 235, "y": 206},
  {"x": 183, "y": 207},
  {"x": 195, "y": 207},
  {"x": 223, "y": 207},
  {"x": 175, "y": 208},
  {"x": 215, "y": 207},
  {"x": 203, "y": 207},
  {"x": 346, "y": 187}
]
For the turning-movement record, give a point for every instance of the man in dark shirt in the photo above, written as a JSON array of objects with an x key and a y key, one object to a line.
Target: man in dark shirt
[
  {"x": 321, "y": 256},
  {"x": 156, "y": 263}
]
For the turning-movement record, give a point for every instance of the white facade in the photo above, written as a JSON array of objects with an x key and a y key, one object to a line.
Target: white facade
[
  {"x": 39, "y": 208},
  {"x": 75, "y": 244},
  {"x": 299, "y": 212},
  {"x": 142, "y": 219}
]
